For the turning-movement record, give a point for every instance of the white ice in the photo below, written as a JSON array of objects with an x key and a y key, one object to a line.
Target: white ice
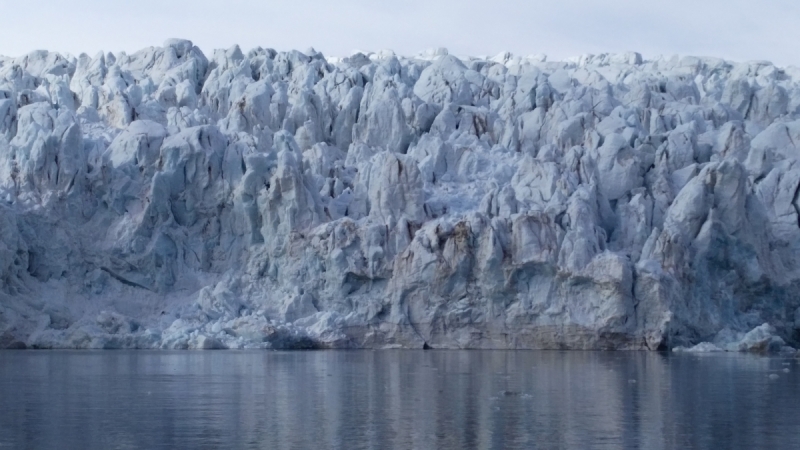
[{"x": 169, "y": 199}]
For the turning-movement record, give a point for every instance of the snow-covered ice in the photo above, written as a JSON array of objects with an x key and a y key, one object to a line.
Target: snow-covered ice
[{"x": 169, "y": 199}]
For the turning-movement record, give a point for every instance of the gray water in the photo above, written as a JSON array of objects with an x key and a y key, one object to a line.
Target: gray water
[{"x": 396, "y": 399}]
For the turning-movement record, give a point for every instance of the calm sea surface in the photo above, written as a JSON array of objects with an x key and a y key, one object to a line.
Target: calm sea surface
[{"x": 397, "y": 399}]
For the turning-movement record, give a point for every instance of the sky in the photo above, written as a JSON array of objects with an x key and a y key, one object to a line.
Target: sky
[{"x": 739, "y": 30}]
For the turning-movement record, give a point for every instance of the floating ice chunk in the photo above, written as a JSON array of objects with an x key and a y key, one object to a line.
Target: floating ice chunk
[
  {"x": 703, "y": 347},
  {"x": 761, "y": 339}
]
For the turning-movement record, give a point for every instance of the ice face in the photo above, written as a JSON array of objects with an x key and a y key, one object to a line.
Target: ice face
[{"x": 281, "y": 199}]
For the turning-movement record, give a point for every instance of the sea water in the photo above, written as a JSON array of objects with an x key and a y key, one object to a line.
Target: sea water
[{"x": 384, "y": 399}]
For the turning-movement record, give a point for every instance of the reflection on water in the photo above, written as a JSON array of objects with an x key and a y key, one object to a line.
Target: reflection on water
[{"x": 397, "y": 399}]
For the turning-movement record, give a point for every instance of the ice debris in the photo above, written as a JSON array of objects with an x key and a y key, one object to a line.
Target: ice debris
[
  {"x": 761, "y": 339},
  {"x": 703, "y": 347}
]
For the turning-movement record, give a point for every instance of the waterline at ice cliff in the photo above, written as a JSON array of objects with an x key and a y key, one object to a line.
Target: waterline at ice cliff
[{"x": 166, "y": 199}]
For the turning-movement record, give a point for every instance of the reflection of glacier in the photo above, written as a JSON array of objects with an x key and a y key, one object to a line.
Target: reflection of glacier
[
  {"x": 396, "y": 399},
  {"x": 162, "y": 199}
]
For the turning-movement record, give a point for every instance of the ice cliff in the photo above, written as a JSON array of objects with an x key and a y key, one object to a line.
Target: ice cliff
[{"x": 168, "y": 199}]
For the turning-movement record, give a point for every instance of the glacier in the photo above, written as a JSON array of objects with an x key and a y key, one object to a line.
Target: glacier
[{"x": 169, "y": 199}]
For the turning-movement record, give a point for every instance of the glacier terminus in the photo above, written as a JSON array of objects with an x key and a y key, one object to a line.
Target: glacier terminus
[{"x": 170, "y": 199}]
